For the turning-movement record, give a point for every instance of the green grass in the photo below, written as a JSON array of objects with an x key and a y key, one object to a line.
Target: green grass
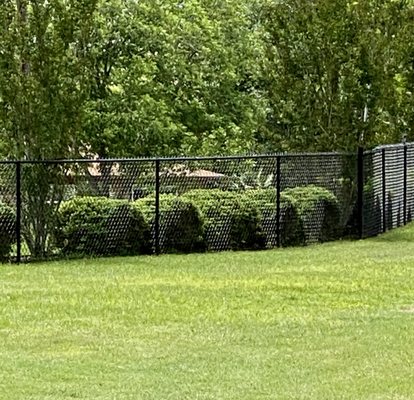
[{"x": 334, "y": 321}]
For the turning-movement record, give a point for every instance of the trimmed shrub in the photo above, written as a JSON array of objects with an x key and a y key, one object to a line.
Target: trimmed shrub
[
  {"x": 101, "y": 226},
  {"x": 7, "y": 231},
  {"x": 291, "y": 226},
  {"x": 319, "y": 211},
  {"x": 231, "y": 222},
  {"x": 181, "y": 225}
]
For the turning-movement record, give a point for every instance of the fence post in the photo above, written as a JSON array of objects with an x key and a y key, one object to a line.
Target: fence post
[
  {"x": 360, "y": 190},
  {"x": 157, "y": 207},
  {"x": 278, "y": 178},
  {"x": 18, "y": 211},
  {"x": 384, "y": 192},
  {"x": 405, "y": 184}
]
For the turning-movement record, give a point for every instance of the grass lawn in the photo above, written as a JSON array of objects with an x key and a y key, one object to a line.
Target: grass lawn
[{"x": 334, "y": 321}]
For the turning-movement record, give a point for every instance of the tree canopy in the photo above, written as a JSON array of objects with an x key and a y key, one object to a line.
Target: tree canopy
[{"x": 163, "y": 77}]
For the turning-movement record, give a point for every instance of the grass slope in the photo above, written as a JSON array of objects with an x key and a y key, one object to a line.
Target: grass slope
[{"x": 333, "y": 321}]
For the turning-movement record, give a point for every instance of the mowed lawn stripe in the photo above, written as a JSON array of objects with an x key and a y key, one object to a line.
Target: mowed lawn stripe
[{"x": 333, "y": 321}]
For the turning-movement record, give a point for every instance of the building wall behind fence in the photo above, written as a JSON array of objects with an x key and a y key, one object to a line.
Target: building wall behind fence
[{"x": 164, "y": 189}]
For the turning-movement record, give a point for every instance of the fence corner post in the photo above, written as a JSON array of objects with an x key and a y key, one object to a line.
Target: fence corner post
[
  {"x": 157, "y": 207},
  {"x": 18, "y": 211},
  {"x": 278, "y": 179},
  {"x": 384, "y": 191},
  {"x": 360, "y": 191},
  {"x": 405, "y": 183}
]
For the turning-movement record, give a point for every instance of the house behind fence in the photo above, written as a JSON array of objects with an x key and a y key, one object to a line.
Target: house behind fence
[{"x": 52, "y": 209}]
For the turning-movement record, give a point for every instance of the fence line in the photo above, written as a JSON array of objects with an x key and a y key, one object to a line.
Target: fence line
[{"x": 183, "y": 204}]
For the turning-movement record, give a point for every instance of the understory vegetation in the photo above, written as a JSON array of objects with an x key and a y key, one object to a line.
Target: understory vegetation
[{"x": 199, "y": 220}]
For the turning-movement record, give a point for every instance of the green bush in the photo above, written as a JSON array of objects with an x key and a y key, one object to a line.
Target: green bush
[
  {"x": 181, "y": 225},
  {"x": 7, "y": 231},
  {"x": 319, "y": 211},
  {"x": 231, "y": 222},
  {"x": 291, "y": 226},
  {"x": 101, "y": 226}
]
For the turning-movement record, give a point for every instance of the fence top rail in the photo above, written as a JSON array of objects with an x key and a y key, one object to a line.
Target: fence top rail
[
  {"x": 178, "y": 159},
  {"x": 385, "y": 147}
]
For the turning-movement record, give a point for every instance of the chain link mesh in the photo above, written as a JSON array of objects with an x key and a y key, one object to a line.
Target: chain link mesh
[
  {"x": 373, "y": 193},
  {"x": 410, "y": 182},
  {"x": 394, "y": 178},
  {"x": 384, "y": 198},
  {"x": 218, "y": 188},
  {"x": 100, "y": 224},
  {"x": 7, "y": 211},
  {"x": 335, "y": 173},
  {"x": 109, "y": 207}
]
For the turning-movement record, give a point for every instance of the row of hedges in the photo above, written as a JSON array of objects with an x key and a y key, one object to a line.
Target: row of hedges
[
  {"x": 181, "y": 224},
  {"x": 196, "y": 221},
  {"x": 319, "y": 211},
  {"x": 230, "y": 222},
  {"x": 97, "y": 225}
]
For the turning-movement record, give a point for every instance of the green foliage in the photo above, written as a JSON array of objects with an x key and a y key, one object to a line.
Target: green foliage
[
  {"x": 43, "y": 76},
  {"x": 337, "y": 73},
  {"x": 291, "y": 225},
  {"x": 231, "y": 222},
  {"x": 252, "y": 180},
  {"x": 128, "y": 78},
  {"x": 101, "y": 226},
  {"x": 181, "y": 225},
  {"x": 43, "y": 87},
  {"x": 319, "y": 211},
  {"x": 7, "y": 231},
  {"x": 42, "y": 191},
  {"x": 170, "y": 78}
]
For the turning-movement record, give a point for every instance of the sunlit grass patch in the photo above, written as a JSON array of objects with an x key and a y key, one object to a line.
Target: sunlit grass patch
[{"x": 333, "y": 321}]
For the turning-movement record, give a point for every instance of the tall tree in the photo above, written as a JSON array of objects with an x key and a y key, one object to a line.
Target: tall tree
[
  {"x": 42, "y": 75},
  {"x": 333, "y": 70},
  {"x": 42, "y": 88},
  {"x": 173, "y": 77}
]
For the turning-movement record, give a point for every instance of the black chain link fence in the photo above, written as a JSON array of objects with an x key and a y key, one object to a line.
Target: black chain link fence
[
  {"x": 72, "y": 208},
  {"x": 8, "y": 210},
  {"x": 388, "y": 188},
  {"x": 372, "y": 193}
]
